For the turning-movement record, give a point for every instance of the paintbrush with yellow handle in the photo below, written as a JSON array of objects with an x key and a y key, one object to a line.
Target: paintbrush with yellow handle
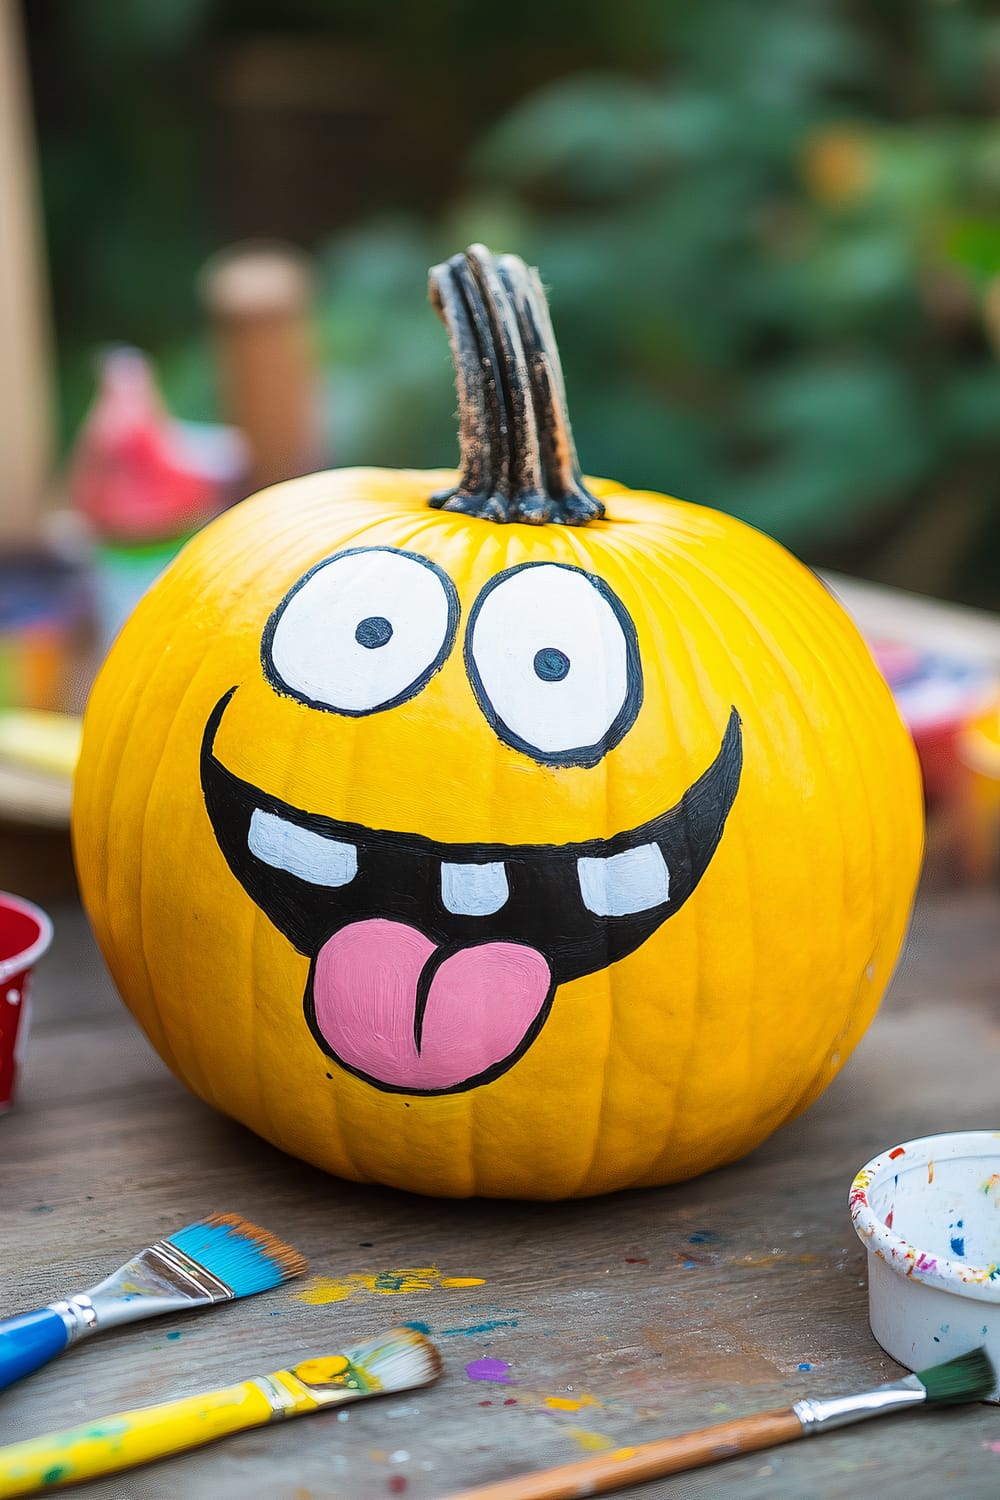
[
  {"x": 399, "y": 1361},
  {"x": 970, "y": 1377}
]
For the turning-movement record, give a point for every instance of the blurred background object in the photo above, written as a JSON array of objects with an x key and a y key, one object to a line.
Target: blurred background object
[
  {"x": 142, "y": 483},
  {"x": 43, "y": 626},
  {"x": 26, "y": 414},
  {"x": 259, "y": 300},
  {"x": 772, "y": 232}
]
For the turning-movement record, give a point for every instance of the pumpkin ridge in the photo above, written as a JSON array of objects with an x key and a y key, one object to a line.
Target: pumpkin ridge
[
  {"x": 256, "y": 932},
  {"x": 125, "y": 705},
  {"x": 751, "y": 566},
  {"x": 695, "y": 939},
  {"x": 187, "y": 694},
  {"x": 862, "y": 687},
  {"x": 709, "y": 624}
]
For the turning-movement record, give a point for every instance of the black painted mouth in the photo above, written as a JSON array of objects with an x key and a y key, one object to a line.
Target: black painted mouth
[{"x": 568, "y": 902}]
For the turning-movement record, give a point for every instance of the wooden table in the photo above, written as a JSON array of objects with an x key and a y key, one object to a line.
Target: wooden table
[{"x": 657, "y": 1311}]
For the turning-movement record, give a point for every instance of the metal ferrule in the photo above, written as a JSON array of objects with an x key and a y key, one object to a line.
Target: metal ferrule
[
  {"x": 79, "y": 1314},
  {"x": 187, "y": 1272},
  {"x": 288, "y": 1395},
  {"x": 161, "y": 1279},
  {"x": 283, "y": 1402},
  {"x": 819, "y": 1415}
]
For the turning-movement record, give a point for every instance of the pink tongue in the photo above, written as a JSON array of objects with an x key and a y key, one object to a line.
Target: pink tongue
[{"x": 481, "y": 1002}]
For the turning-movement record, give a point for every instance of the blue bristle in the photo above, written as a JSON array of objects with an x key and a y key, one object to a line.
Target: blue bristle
[{"x": 246, "y": 1258}]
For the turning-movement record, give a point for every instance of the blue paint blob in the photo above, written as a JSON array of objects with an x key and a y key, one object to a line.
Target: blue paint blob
[
  {"x": 475, "y": 1328},
  {"x": 418, "y": 1327},
  {"x": 958, "y": 1245},
  {"x": 805, "y": 1365},
  {"x": 175, "y": 1335},
  {"x": 389, "y": 1281},
  {"x": 689, "y": 1265}
]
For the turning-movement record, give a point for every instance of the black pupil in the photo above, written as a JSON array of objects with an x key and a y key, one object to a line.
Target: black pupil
[
  {"x": 551, "y": 664},
  {"x": 373, "y": 632}
]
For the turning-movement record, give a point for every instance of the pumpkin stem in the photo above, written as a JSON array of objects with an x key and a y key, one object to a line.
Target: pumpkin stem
[{"x": 518, "y": 460}]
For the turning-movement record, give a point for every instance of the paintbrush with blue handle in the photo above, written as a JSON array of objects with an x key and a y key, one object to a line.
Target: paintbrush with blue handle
[{"x": 215, "y": 1259}]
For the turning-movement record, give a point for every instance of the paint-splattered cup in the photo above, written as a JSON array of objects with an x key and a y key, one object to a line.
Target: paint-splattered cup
[
  {"x": 928, "y": 1213},
  {"x": 25, "y": 933}
]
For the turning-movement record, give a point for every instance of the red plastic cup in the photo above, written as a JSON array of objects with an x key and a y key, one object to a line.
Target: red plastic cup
[{"x": 25, "y": 933}]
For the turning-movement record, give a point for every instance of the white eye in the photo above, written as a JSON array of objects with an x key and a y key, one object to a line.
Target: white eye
[
  {"x": 361, "y": 631},
  {"x": 554, "y": 662}
]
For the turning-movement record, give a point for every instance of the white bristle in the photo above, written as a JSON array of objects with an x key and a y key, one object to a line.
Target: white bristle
[{"x": 398, "y": 1360}]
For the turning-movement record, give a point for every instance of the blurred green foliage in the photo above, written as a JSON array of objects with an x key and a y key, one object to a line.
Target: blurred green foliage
[
  {"x": 765, "y": 280},
  {"x": 768, "y": 230}
]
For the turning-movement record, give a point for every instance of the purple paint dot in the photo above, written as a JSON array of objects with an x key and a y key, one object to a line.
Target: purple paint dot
[{"x": 489, "y": 1369}]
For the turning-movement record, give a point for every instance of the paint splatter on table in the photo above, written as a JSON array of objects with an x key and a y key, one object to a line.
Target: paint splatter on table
[{"x": 604, "y": 1323}]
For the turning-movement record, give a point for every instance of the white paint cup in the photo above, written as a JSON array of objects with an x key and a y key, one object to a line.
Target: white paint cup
[{"x": 928, "y": 1213}]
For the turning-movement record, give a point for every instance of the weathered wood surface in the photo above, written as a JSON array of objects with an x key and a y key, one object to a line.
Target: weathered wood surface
[{"x": 668, "y": 1308}]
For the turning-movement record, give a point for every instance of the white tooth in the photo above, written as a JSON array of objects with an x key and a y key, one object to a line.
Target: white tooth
[
  {"x": 310, "y": 856},
  {"x": 473, "y": 890},
  {"x": 621, "y": 884}
]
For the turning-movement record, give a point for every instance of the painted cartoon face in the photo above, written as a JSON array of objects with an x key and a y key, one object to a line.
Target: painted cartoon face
[
  {"x": 433, "y": 965},
  {"x": 467, "y": 742}
]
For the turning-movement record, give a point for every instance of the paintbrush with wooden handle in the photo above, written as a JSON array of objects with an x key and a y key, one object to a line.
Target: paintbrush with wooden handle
[{"x": 970, "y": 1377}]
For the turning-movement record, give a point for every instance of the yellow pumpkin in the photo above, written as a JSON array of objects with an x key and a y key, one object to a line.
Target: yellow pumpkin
[{"x": 454, "y": 848}]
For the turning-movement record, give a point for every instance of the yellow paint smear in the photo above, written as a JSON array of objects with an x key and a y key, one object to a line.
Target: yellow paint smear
[
  {"x": 320, "y": 1290},
  {"x": 570, "y": 1403},
  {"x": 776, "y": 1258},
  {"x": 321, "y": 1371},
  {"x": 591, "y": 1442}
]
